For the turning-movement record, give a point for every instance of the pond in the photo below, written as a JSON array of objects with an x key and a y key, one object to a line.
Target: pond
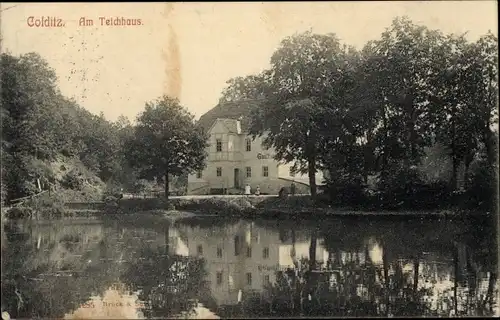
[{"x": 226, "y": 268}]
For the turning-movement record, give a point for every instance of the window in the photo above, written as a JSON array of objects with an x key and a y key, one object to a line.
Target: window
[
  {"x": 248, "y": 143},
  {"x": 266, "y": 279},
  {"x": 249, "y": 278},
  {"x": 219, "y": 278},
  {"x": 219, "y": 252},
  {"x": 218, "y": 143},
  {"x": 249, "y": 172},
  {"x": 265, "y": 171},
  {"x": 265, "y": 253},
  {"x": 292, "y": 172},
  {"x": 200, "y": 249},
  {"x": 199, "y": 174},
  {"x": 236, "y": 245},
  {"x": 249, "y": 252},
  {"x": 219, "y": 172}
]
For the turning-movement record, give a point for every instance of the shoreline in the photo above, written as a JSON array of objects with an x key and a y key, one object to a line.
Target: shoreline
[
  {"x": 279, "y": 214},
  {"x": 265, "y": 207}
]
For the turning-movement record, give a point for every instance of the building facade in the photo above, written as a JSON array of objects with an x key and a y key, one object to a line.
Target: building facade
[{"x": 236, "y": 160}]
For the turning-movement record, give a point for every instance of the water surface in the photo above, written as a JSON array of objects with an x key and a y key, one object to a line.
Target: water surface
[{"x": 212, "y": 267}]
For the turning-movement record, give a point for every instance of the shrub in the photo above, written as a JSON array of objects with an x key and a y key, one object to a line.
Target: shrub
[
  {"x": 433, "y": 195},
  {"x": 399, "y": 188},
  {"x": 112, "y": 193},
  {"x": 73, "y": 180},
  {"x": 212, "y": 206},
  {"x": 45, "y": 207},
  {"x": 141, "y": 186},
  {"x": 481, "y": 190},
  {"x": 346, "y": 189},
  {"x": 19, "y": 213}
]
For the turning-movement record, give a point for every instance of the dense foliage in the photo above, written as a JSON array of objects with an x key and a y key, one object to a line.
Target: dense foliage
[
  {"x": 166, "y": 142},
  {"x": 368, "y": 117},
  {"x": 49, "y": 142}
]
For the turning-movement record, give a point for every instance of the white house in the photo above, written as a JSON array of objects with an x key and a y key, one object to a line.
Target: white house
[{"x": 235, "y": 160}]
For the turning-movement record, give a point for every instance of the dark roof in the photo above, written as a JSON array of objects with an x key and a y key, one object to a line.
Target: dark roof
[{"x": 230, "y": 110}]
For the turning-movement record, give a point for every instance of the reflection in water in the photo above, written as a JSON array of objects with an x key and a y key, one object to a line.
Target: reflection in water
[{"x": 209, "y": 268}]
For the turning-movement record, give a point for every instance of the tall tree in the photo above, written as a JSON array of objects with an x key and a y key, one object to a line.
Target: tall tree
[
  {"x": 402, "y": 63},
  {"x": 454, "y": 123},
  {"x": 166, "y": 142},
  {"x": 245, "y": 88},
  {"x": 293, "y": 119},
  {"x": 483, "y": 90}
]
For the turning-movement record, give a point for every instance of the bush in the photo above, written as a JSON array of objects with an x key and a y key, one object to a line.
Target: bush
[
  {"x": 141, "y": 186},
  {"x": 112, "y": 193},
  {"x": 481, "y": 190},
  {"x": 19, "y": 213},
  {"x": 170, "y": 206},
  {"x": 135, "y": 205},
  {"x": 432, "y": 196},
  {"x": 346, "y": 191},
  {"x": 398, "y": 189},
  {"x": 45, "y": 207},
  {"x": 212, "y": 206},
  {"x": 73, "y": 180}
]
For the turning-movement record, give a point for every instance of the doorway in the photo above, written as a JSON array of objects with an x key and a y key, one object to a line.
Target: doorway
[{"x": 236, "y": 178}]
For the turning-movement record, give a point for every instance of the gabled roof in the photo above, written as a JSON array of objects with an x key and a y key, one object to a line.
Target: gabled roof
[
  {"x": 230, "y": 111},
  {"x": 231, "y": 125}
]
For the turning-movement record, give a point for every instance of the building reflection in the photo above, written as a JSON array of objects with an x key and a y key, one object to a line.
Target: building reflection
[
  {"x": 248, "y": 257},
  {"x": 242, "y": 256}
]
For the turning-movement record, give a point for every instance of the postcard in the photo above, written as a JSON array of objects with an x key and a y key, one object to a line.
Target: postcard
[{"x": 208, "y": 160}]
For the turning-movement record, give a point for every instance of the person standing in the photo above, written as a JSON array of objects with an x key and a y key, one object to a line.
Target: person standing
[
  {"x": 247, "y": 190},
  {"x": 292, "y": 189},
  {"x": 257, "y": 191}
]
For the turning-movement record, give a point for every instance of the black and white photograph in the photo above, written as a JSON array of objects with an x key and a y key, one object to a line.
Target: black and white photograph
[{"x": 224, "y": 160}]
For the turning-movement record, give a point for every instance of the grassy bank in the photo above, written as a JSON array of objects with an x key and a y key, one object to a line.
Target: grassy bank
[
  {"x": 53, "y": 205},
  {"x": 268, "y": 207}
]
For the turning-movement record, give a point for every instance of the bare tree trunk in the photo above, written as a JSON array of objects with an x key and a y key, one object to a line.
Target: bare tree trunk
[
  {"x": 312, "y": 176},
  {"x": 467, "y": 161}
]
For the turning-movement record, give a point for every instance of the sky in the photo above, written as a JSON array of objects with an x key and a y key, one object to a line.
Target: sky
[{"x": 189, "y": 50}]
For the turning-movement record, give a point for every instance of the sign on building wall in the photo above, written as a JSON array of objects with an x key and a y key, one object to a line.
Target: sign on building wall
[{"x": 262, "y": 156}]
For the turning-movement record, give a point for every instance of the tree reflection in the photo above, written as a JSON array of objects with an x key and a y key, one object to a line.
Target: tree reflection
[
  {"x": 402, "y": 281},
  {"x": 43, "y": 275},
  {"x": 50, "y": 271},
  {"x": 170, "y": 284}
]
